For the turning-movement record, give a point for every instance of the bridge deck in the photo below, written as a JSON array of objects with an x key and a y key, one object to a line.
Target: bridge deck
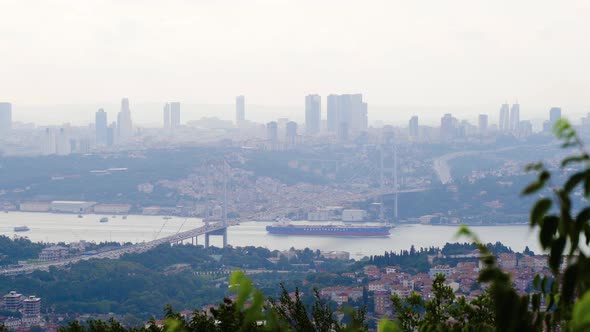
[{"x": 136, "y": 248}]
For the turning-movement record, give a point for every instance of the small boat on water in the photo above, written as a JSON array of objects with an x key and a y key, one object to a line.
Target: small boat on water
[
  {"x": 167, "y": 217},
  {"x": 80, "y": 216},
  {"x": 104, "y": 219},
  {"x": 124, "y": 217},
  {"x": 21, "y": 229}
]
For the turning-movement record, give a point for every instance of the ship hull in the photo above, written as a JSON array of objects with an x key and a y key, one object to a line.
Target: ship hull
[{"x": 330, "y": 231}]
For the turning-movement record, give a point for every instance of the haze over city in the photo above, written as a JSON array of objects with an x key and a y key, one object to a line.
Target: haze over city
[{"x": 464, "y": 55}]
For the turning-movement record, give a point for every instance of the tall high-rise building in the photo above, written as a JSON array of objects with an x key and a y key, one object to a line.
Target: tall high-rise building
[
  {"x": 167, "y": 116},
  {"x": 175, "y": 114},
  {"x": 272, "y": 132},
  {"x": 100, "y": 125},
  {"x": 313, "y": 114},
  {"x": 364, "y": 121},
  {"x": 49, "y": 141},
  {"x": 514, "y": 117},
  {"x": 348, "y": 109},
  {"x": 291, "y": 132},
  {"x": 332, "y": 113},
  {"x": 482, "y": 123},
  {"x": 554, "y": 116},
  {"x": 504, "y": 122},
  {"x": 413, "y": 127},
  {"x": 5, "y": 118},
  {"x": 63, "y": 143},
  {"x": 240, "y": 110},
  {"x": 112, "y": 134},
  {"x": 124, "y": 124},
  {"x": 525, "y": 128},
  {"x": 57, "y": 141},
  {"x": 447, "y": 127}
]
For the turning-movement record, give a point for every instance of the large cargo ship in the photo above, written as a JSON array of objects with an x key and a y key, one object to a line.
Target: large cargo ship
[{"x": 329, "y": 230}]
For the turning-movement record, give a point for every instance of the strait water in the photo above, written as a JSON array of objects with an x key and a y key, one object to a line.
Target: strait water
[{"x": 47, "y": 227}]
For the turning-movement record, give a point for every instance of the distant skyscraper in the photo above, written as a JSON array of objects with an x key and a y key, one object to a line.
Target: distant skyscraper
[
  {"x": 447, "y": 127},
  {"x": 514, "y": 117},
  {"x": 49, "y": 141},
  {"x": 413, "y": 127},
  {"x": 333, "y": 111},
  {"x": 175, "y": 114},
  {"x": 112, "y": 134},
  {"x": 240, "y": 110},
  {"x": 101, "y": 127},
  {"x": 554, "y": 116},
  {"x": 56, "y": 141},
  {"x": 5, "y": 118},
  {"x": 272, "y": 132},
  {"x": 124, "y": 124},
  {"x": 348, "y": 109},
  {"x": 63, "y": 147},
  {"x": 167, "y": 116},
  {"x": 525, "y": 128},
  {"x": 313, "y": 114},
  {"x": 291, "y": 131},
  {"x": 364, "y": 116},
  {"x": 504, "y": 122},
  {"x": 482, "y": 123}
]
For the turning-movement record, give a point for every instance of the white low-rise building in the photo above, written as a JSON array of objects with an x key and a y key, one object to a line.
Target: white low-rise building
[
  {"x": 72, "y": 206},
  {"x": 54, "y": 253}
]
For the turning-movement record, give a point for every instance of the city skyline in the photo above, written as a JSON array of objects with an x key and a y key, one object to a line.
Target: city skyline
[{"x": 373, "y": 117}]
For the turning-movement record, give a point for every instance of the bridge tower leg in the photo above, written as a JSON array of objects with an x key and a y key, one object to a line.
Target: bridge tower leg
[
  {"x": 225, "y": 237},
  {"x": 207, "y": 240}
]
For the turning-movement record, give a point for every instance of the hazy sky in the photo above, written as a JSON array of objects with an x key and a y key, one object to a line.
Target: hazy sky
[{"x": 412, "y": 52}]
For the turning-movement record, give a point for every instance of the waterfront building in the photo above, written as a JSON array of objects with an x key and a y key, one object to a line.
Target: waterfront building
[{"x": 53, "y": 253}]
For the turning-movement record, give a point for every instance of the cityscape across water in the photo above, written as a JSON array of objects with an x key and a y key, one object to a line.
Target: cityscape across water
[{"x": 48, "y": 227}]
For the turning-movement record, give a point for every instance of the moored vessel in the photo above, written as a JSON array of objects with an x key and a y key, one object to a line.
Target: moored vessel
[
  {"x": 329, "y": 230},
  {"x": 21, "y": 229}
]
